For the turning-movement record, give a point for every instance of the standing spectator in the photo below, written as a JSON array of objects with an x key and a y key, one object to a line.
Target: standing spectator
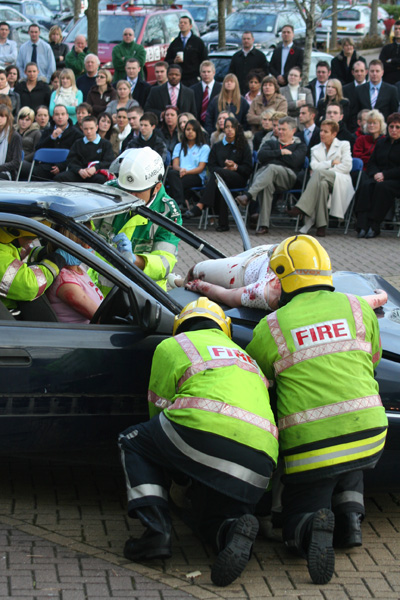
[
  {"x": 247, "y": 59},
  {"x": 33, "y": 92},
  {"x": 334, "y": 93},
  {"x": 292, "y": 93},
  {"x": 169, "y": 127},
  {"x": 10, "y": 145},
  {"x": 60, "y": 50},
  {"x": 342, "y": 64},
  {"x": 310, "y": 133},
  {"x": 75, "y": 59},
  {"x": 254, "y": 80},
  {"x": 82, "y": 110},
  {"x": 149, "y": 136},
  {"x": 205, "y": 90},
  {"x": 270, "y": 97},
  {"x": 318, "y": 85},
  {"x": 88, "y": 156},
  {"x": 160, "y": 72},
  {"x": 60, "y": 134},
  {"x": 390, "y": 57},
  {"x": 134, "y": 114},
  {"x": 13, "y": 75},
  {"x": 286, "y": 56},
  {"x": 228, "y": 99},
  {"x": 55, "y": 81},
  {"x": 128, "y": 48},
  {"x": 68, "y": 94},
  {"x": 334, "y": 112},
  {"x": 173, "y": 92},
  {"x": 86, "y": 81},
  {"x": 105, "y": 126},
  {"x": 376, "y": 93},
  {"x": 120, "y": 131},
  {"x": 359, "y": 72},
  {"x": 102, "y": 93},
  {"x": 42, "y": 117},
  {"x": 188, "y": 50},
  {"x": 139, "y": 89},
  {"x": 365, "y": 144},
  {"x": 5, "y": 89},
  {"x": 30, "y": 134},
  {"x": 8, "y": 48},
  {"x": 123, "y": 100},
  {"x": 37, "y": 51}
]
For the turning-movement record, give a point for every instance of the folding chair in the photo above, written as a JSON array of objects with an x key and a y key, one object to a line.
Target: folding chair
[
  {"x": 20, "y": 165},
  {"x": 50, "y": 156},
  {"x": 357, "y": 167},
  {"x": 290, "y": 196}
]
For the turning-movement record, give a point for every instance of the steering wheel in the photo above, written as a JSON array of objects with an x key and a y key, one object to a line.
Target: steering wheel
[{"x": 114, "y": 308}]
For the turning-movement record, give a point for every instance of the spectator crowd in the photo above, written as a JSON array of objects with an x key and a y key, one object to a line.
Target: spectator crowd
[{"x": 262, "y": 129}]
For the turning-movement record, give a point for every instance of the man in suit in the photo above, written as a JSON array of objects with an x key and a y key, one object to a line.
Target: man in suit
[
  {"x": 310, "y": 133},
  {"x": 187, "y": 50},
  {"x": 334, "y": 112},
  {"x": 390, "y": 57},
  {"x": 376, "y": 93},
  {"x": 160, "y": 73},
  {"x": 247, "y": 59},
  {"x": 318, "y": 85},
  {"x": 139, "y": 89},
  {"x": 359, "y": 72},
  {"x": 173, "y": 92},
  {"x": 286, "y": 56},
  {"x": 205, "y": 90}
]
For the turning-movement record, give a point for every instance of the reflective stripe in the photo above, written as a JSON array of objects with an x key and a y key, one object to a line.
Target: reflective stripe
[
  {"x": 219, "y": 464},
  {"x": 218, "y": 407},
  {"x": 9, "y": 276},
  {"x": 376, "y": 357},
  {"x": 52, "y": 267},
  {"x": 158, "y": 400},
  {"x": 145, "y": 490},
  {"x": 330, "y": 410},
  {"x": 348, "y": 496},
  {"x": 165, "y": 247},
  {"x": 40, "y": 278},
  {"x": 166, "y": 264},
  {"x": 313, "y": 272}
]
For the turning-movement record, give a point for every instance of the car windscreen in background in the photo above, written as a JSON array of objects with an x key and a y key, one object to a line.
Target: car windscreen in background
[
  {"x": 250, "y": 22},
  {"x": 344, "y": 15},
  {"x": 110, "y": 28},
  {"x": 198, "y": 12}
]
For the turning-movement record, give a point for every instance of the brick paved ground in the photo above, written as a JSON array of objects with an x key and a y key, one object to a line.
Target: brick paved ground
[{"x": 63, "y": 523}]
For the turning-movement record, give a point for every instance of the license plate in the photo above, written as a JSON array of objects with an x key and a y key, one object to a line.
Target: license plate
[{"x": 342, "y": 28}]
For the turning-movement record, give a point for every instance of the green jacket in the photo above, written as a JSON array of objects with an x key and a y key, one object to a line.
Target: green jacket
[
  {"x": 203, "y": 380},
  {"x": 322, "y": 348},
  {"x": 120, "y": 54},
  {"x": 76, "y": 61}
]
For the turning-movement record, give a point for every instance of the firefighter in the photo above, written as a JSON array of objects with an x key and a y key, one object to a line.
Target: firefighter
[
  {"x": 321, "y": 348},
  {"x": 205, "y": 426},
  {"x": 25, "y": 280}
]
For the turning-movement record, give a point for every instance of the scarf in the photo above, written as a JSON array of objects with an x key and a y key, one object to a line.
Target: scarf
[
  {"x": 123, "y": 134},
  {"x": 65, "y": 96},
  {"x": 3, "y": 145},
  {"x": 5, "y": 90},
  {"x": 294, "y": 92}
]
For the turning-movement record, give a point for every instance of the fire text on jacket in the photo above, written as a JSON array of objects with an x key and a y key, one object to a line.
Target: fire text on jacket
[{"x": 321, "y": 333}]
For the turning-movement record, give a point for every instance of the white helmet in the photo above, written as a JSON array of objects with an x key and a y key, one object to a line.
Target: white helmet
[{"x": 140, "y": 170}]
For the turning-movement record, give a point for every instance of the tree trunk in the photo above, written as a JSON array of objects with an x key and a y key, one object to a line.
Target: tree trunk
[
  {"x": 92, "y": 14},
  {"x": 307, "y": 11},
  {"x": 333, "y": 42},
  {"x": 373, "y": 28},
  {"x": 221, "y": 24},
  {"x": 77, "y": 9}
]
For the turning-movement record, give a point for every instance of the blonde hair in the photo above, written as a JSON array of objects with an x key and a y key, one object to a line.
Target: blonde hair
[
  {"x": 268, "y": 112},
  {"x": 107, "y": 73},
  {"x": 339, "y": 90},
  {"x": 26, "y": 112},
  {"x": 223, "y": 95},
  {"x": 71, "y": 76},
  {"x": 376, "y": 115},
  {"x": 55, "y": 29},
  {"x": 122, "y": 82}
]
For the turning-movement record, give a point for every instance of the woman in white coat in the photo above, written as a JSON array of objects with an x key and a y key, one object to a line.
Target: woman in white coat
[{"x": 330, "y": 186}]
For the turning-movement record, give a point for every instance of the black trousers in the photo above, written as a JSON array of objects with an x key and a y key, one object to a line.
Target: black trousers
[
  {"x": 70, "y": 176},
  {"x": 374, "y": 202},
  {"x": 212, "y": 198},
  {"x": 179, "y": 186}
]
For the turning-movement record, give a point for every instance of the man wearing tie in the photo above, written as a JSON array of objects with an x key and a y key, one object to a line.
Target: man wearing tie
[
  {"x": 173, "y": 92},
  {"x": 310, "y": 133},
  {"x": 37, "y": 51},
  {"x": 286, "y": 57},
  {"x": 318, "y": 85},
  {"x": 205, "y": 89},
  {"x": 188, "y": 51},
  {"x": 139, "y": 89},
  {"x": 376, "y": 93}
]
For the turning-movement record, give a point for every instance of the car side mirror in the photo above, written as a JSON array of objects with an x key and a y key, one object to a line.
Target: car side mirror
[{"x": 151, "y": 316}]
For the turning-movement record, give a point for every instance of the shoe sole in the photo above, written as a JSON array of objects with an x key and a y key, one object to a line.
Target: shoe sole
[
  {"x": 321, "y": 555},
  {"x": 232, "y": 560}
]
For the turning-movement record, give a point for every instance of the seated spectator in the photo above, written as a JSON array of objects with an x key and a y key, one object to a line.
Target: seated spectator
[
  {"x": 266, "y": 127},
  {"x": 254, "y": 79},
  {"x": 334, "y": 112},
  {"x": 331, "y": 164},
  {"x": 42, "y": 117},
  {"x": 6, "y": 100},
  {"x": 88, "y": 157},
  {"x": 10, "y": 145},
  {"x": 274, "y": 133},
  {"x": 13, "y": 75},
  {"x": 379, "y": 190},
  {"x": 120, "y": 131},
  {"x": 123, "y": 99},
  {"x": 218, "y": 134},
  {"x": 134, "y": 115},
  {"x": 342, "y": 64},
  {"x": 270, "y": 97},
  {"x": 149, "y": 136},
  {"x": 334, "y": 93},
  {"x": 183, "y": 118},
  {"x": 281, "y": 160},
  {"x": 75, "y": 59},
  {"x": 67, "y": 95},
  {"x": 86, "y": 81},
  {"x": 189, "y": 161},
  {"x": 169, "y": 127},
  {"x": 30, "y": 133},
  {"x": 60, "y": 134},
  {"x": 296, "y": 96},
  {"x": 33, "y": 92},
  {"x": 105, "y": 126},
  {"x": 73, "y": 295},
  {"x": 55, "y": 81},
  {"x": 5, "y": 89},
  {"x": 365, "y": 144},
  {"x": 82, "y": 110},
  {"x": 228, "y": 99},
  {"x": 60, "y": 50},
  {"x": 310, "y": 134},
  {"x": 362, "y": 122},
  {"x": 231, "y": 159},
  {"x": 101, "y": 94}
]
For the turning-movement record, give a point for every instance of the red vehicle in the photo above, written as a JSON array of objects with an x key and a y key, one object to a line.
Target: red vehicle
[{"x": 154, "y": 28}]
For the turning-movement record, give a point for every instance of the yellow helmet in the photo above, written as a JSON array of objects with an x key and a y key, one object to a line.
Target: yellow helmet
[
  {"x": 301, "y": 262},
  {"x": 9, "y": 233},
  {"x": 203, "y": 308}
]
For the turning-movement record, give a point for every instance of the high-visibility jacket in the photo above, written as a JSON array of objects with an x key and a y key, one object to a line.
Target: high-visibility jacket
[
  {"x": 203, "y": 380},
  {"x": 23, "y": 281},
  {"x": 321, "y": 348},
  {"x": 155, "y": 244}
]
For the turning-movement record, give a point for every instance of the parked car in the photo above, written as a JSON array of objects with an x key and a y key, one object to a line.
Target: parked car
[
  {"x": 353, "y": 21},
  {"x": 13, "y": 17},
  {"x": 20, "y": 34},
  {"x": 34, "y": 10},
  {"x": 154, "y": 29},
  {"x": 266, "y": 25}
]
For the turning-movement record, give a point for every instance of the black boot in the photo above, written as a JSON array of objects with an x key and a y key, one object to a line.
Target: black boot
[
  {"x": 317, "y": 542},
  {"x": 348, "y": 530},
  {"x": 235, "y": 543},
  {"x": 156, "y": 540}
]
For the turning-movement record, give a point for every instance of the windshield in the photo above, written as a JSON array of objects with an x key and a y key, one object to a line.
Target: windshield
[
  {"x": 107, "y": 34},
  {"x": 344, "y": 15},
  {"x": 198, "y": 12},
  {"x": 250, "y": 21}
]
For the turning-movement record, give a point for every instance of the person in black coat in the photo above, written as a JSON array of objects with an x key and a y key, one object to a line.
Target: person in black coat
[
  {"x": 247, "y": 59},
  {"x": 390, "y": 57},
  {"x": 207, "y": 74},
  {"x": 10, "y": 145},
  {"x": 169, "y": 127},
  {"x": 342, "y": 64},
  {"x": 387, "y": 101},
  {"x": 378, "y": 191},
  {"x": 33, "y": 92},
  {"x": 149, "y": 136},
  {"x": 159, "y": 96},
  {"x": 60, "y": 50},
  {"x": 318, "y": 85},
  {"x": 231, "y": 159},
  {"x": 310, "y": 133},
  {"x": 288, "y": 53},
  {"x": 187, "y": 50},
  {"x": 88, "y": 156},
  {"x": 334, "y": 93},
  {"x": 228, "y": 99}
]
